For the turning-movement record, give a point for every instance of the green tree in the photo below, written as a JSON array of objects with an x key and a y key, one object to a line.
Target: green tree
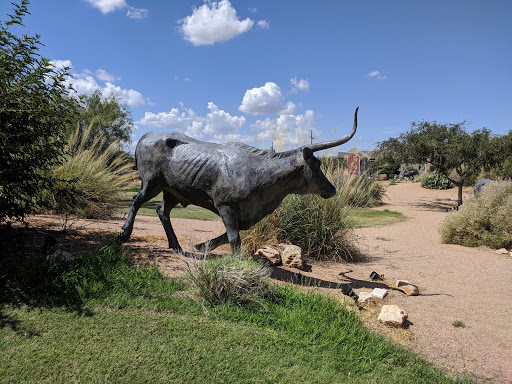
[
  {"x": 385, "y": 163},
  {"x": 109, "y": 117},
  {"x": 450, "y": 150},
  {"x": 34, "y": 113}
]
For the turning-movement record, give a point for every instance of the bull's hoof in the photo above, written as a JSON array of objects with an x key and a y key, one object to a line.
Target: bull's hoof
[
  {"x": 123, "y": 237},
  {"x": 177, "y": 249},
  {"x": 201, "y": 247}
]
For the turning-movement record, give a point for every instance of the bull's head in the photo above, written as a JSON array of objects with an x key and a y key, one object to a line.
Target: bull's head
[{"x": 319, "y": 184}]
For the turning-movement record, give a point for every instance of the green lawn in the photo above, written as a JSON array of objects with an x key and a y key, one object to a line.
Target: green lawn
[
  {"x": 366, "y": 217},
  {"x": 149, "y": 208},
  {"x": 361, "y": 217},
  {"x": 97, "y": 319}
]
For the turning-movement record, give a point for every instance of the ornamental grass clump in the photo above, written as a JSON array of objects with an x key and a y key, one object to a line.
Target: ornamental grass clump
[
  {"x": 229, "y": 279},
  {"x": 321, "y": 227},
  {"x": 91, "y": 176},
  {"x": 483, "y": 219}
]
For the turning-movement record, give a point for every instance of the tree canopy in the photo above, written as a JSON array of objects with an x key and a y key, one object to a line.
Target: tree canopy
[
  {"x": 448, "y": 148},
  {"x": 108, "y": 116},
  {"x": 35, "y": 111}
]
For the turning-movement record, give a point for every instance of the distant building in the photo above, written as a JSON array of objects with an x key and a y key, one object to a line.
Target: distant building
[{"x": 358, "y": 161}]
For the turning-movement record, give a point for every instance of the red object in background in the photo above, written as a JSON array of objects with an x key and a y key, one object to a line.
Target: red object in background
[{"x": 354, "y": 162}]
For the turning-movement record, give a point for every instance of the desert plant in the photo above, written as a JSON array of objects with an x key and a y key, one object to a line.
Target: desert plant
[
  {"x": 90, "y": 178},
  {"x": 231, "y": 278},
  {"x": 483, "y": 219},
  {"x": 322, "y": 228},
  {"x": 434, "y": 180}
]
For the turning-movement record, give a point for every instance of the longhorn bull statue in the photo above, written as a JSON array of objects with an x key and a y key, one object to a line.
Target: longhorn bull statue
[{"x": 240, "y": 183}]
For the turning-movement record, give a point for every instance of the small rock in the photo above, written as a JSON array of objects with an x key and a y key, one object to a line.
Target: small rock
[
  {"x": 502, "y": 251},
  {"x": 63, "y": 254},
  {"x": 366, "y": 298},
  {"x": 375, "y": 276},
  {"x": 270, "y": 253},
  {"x": 410, "y": 289},
  {"x": 379, "y": 293},
  {"x": 392, "y": 315},
  {"x": 291, "y": 256}
]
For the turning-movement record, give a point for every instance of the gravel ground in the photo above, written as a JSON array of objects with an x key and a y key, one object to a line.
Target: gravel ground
[{"x": 469, "y": 285}]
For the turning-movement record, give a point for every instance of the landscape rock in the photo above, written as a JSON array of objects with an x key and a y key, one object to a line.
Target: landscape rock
[
  {"x": 379, "y": 293},
  {"x": 408, "y": 288},
  {"x": 291, "y": 256},
  {"x": 366, "y": 298},
  {"x": 63, "y": 254},
  {"x": 392, "y": 315},
  {"x": 502, "y": 251},
  {"x": 270, "y": 253}
]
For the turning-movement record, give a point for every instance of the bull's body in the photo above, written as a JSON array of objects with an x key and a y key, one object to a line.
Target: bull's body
[{"x": 240, "y": 183}]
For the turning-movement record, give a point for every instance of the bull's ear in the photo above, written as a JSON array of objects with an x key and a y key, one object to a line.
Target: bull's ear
[{"x": 308, "y": 153}]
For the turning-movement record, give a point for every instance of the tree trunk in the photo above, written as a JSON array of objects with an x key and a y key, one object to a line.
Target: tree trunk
[{"x": 459, "y": 198}]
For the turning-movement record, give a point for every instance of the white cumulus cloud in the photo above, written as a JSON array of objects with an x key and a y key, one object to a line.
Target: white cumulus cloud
[
  {"x": 129, "y": 96},
  {"x": 213, "y": 22},
  {"x": 137, "y": 13},
  {"x": 265, "y": 100},
  {"x": 105, "y": 76},
  {"x": 217, "y": 125},
  {"x": 85, "y": 83},
  {"x": 300, "y": 84},
  {"x": 107, "y": 6},
  {"x": 263, "y": 24},
  {"x": 286, "y": 131},
  {"x": 377, "y": 75}
]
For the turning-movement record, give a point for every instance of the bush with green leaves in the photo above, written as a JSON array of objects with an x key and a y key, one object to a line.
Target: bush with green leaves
[
  {"x": 91, "y": 177},
  {"x": 483, "y": 219},
  {"x": 434, "y": 180},
  {"x": 34, "y": 112},
  {"x": 321, "y": 227}
]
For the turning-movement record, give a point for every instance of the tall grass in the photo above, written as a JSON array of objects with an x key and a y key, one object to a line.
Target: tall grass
[
  {"x": 483, "y": 219},
  {"x": 321, "y": 227},
  {"x": 230, "y": 278},
  {"x": 103, "y": 276},
  {"x": 91, "y": 177}
]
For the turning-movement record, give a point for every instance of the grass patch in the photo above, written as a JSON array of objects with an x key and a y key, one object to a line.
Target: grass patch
[
  {"x": 133, "y": 326},
  {"x": 149, "y": 208},
  {"x": 364, "y": 217}
]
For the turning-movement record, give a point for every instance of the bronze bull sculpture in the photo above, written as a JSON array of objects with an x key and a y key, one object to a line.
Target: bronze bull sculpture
[{"x": 240, "y": 183}]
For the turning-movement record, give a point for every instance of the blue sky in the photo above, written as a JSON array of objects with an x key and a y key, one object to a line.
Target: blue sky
[{"x": 244, "y": 70}]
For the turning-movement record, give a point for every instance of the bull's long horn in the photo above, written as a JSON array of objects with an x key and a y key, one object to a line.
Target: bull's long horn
[{"x": 335, "y": 143}]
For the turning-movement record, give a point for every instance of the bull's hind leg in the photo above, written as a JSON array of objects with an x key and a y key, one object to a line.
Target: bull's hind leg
[
  {"x": 146, "y": 193},
  {"x": 213, "y": 243},
  {"x": 163, "y": 211},
  {"x": 230, "y": 220}
]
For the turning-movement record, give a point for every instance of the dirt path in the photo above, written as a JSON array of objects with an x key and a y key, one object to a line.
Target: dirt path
[{"x": 456, "y": 283}]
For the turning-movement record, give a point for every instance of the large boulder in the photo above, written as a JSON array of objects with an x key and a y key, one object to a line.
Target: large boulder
[
  {"x": 270, "y": 254},
  {"x": 291, "y": 256},
  {"x": 408, "y": 288}
]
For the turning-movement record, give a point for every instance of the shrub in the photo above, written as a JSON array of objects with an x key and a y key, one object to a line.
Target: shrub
[
  {"x": 90, "y": 178},
  {"x": 321, "y": 227},
  {"x": 434, "y": 180},
  {"x": 230, "y": 278},
  {"x": 34, "y": 112},
  {"x": 483, "y": 219}
]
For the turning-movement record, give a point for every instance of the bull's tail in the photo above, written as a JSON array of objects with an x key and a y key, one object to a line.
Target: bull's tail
[{"x": 135, "y": 166}]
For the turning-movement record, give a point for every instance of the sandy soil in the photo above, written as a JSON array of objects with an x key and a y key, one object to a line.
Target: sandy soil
[{"x": 471, "y": 285}]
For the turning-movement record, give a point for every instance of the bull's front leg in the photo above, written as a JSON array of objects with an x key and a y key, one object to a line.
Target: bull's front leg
[{"x": 230, "y": 220}]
